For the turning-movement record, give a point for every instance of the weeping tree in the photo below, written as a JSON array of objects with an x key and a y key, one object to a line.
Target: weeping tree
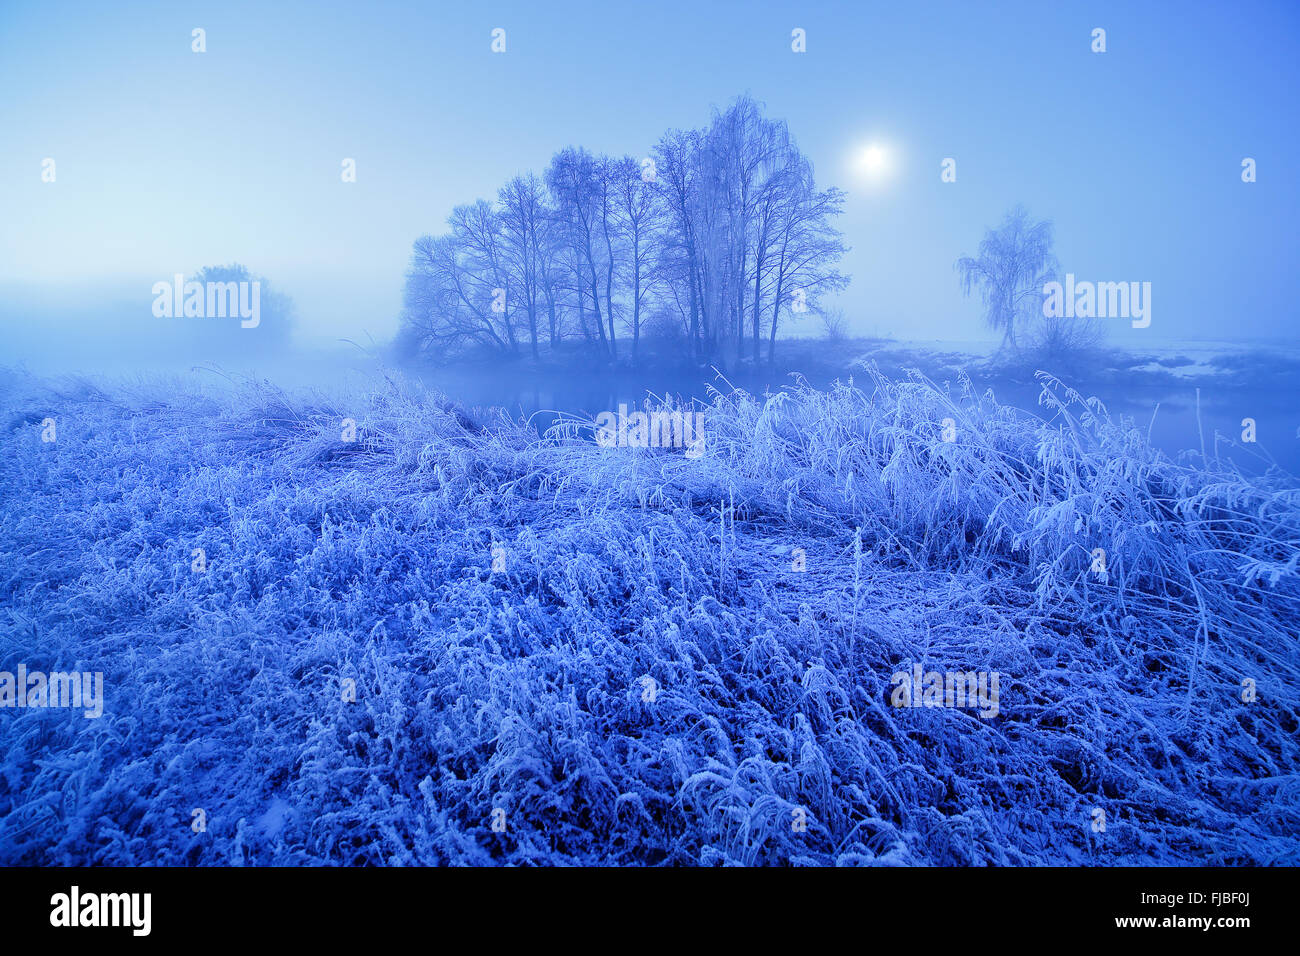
[{"x": 1015, "y": 261}]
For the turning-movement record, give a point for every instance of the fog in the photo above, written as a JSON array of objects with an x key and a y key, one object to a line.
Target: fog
[
  {"x": 649, "y": 434},
  {"x": 169, "y": 160}
]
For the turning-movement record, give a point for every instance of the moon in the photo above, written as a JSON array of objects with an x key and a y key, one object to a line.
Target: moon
[{"x": 874, "y": 160}]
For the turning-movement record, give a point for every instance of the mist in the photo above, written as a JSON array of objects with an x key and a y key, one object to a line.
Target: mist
[{"x": 689, "y": 434}]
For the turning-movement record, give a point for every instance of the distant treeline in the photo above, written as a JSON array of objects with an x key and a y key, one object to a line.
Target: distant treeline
[{"x": 711, "y": 241}]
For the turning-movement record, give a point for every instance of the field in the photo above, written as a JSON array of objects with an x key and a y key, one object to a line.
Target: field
[{"x": 445, "y": 639}]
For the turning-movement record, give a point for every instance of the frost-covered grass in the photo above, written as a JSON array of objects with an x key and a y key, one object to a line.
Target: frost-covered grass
[{"x": 524, "y": 689}]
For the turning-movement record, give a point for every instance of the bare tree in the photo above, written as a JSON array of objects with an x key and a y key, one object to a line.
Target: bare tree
[
  {"x": 476, "y": 227},
  {"x": 640, "y": 215},
  {"x": 605, "y": 187},
  {"x": 552, "y": 274},
  {"x": 676, "y": 160},
  {"x": 445, "y": 305},
  {"x": 574, "y": 181},
  {"x": 1014, "y": 262},
  {"x": 834, "y": 325},
  {"x": 807, "y": 248},
  {"x": 751, "y": 151},
  {"x": 727, "y": 220},
  {"x": 522, "y": 221}
]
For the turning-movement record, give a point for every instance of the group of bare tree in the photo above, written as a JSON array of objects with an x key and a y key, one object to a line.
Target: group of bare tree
[{"x": 712, "y": 240}]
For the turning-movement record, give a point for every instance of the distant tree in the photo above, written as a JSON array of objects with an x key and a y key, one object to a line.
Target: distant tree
[
  {"x": 478, "y": 233},
  {"x": 640, "y": 214},
  {"x": 605, "y": 183},
  {"x": 718, "y": 230},
  {"x": 834, "y": 324},
  {"x": 808, "y": 249},
  {"x": 523, "y": 220},
  {"x": 445, "y": 306},
  {"x": 553, "y": 272},
  {"x": 276, "y": 313},
  {"x": 678, "y": 172},
  {"x": 777, "y": 190},
  {"x": 581, "y": 208},
  {"x": 458, "y": 287},
  {"x": 745, "y": 224},
  {"x": 1014, "y": 262}
]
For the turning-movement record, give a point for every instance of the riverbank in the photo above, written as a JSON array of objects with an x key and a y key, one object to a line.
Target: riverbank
[{"x": 373, "y": 627}]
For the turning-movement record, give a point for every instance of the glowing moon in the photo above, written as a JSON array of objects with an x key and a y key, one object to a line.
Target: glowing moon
[{"x": 874, "y": 160}]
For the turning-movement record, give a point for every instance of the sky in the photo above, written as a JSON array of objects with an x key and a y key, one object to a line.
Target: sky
[{"x": 169, "y": 160}]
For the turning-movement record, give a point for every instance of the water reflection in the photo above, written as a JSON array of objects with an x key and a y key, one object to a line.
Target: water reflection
[{"x": 1167, "y": 414}]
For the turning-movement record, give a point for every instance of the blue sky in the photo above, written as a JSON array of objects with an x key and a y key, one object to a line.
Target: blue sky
[{"x": 169, "y": 160}]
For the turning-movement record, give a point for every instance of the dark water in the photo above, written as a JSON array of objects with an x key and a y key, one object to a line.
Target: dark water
[
  {"x": 1168, "y": 414},
  {"x": 1171, "y": 418},
  {"x": 1166, "y": 410}
]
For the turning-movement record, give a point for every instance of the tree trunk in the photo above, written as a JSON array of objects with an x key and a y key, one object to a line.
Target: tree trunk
[
  {"x": 550, "y": 309},
  {"x": 532, "y": 325},
  {"x": 636, "y": 307},
  {"x": 595, "y": 304},
  {"x": 776, "y": 314}
]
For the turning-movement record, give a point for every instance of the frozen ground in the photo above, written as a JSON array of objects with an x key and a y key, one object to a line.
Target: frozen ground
[{"x": 566, "y": 653}]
